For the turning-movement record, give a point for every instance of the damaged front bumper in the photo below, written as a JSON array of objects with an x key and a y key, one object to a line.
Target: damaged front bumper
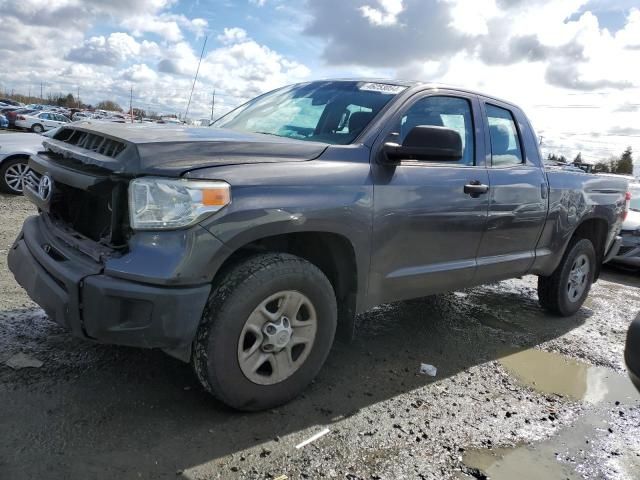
[{"x": 96, "y": 301}]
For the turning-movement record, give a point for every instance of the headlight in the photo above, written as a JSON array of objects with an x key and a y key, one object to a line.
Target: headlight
[{"x": 162, "y": 203}]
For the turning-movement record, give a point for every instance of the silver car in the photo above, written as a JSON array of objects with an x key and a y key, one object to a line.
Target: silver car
[{"x": 629, "y": 253}]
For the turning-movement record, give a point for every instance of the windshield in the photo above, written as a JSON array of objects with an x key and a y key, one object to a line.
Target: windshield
[
  {"x": 635, "y": 198},
  {"x": 329, "y": 112}
]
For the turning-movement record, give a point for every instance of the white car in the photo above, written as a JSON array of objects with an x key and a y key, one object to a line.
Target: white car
[
  {"x": 41, "y": 122},
  {"x": 15, "y": 150}
]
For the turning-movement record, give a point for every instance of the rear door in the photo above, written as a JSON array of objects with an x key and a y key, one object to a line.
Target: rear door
[
  {"x": 518, "y": 195},
  {"x": 426, "y": 229},
  {"x": 47, "y": 121}
]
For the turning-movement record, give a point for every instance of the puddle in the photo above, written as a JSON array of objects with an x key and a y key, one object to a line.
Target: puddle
[
  {"x": 520, "y": 463},
  {"x": 554, "y": 373}
]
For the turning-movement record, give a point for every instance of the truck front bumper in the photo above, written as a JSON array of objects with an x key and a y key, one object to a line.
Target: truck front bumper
[{"x": 75, "y": 292}]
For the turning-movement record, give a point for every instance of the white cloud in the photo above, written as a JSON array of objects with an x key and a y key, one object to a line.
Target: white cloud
[
  {"x": 232, "y": 35},
  {"x": 165, "y": 26},
  {"x": 139, "y": 73},
  {"x": 629, "y": 36},
  {"x": 385, "y": 14},
  {"x": 111, "y": 50}
]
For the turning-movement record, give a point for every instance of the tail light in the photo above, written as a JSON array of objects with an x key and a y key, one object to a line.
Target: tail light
[
  {"x": 20, "y": 117},
  {"x": 627, "y": 203}
]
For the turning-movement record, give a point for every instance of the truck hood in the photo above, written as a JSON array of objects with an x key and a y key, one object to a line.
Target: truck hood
[{"x": 139, "y": 149}]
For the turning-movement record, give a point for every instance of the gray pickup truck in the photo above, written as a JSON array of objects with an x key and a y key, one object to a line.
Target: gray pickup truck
[{"x": 243, "y": 248}]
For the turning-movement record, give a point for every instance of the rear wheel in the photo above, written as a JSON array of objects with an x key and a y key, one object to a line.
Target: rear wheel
[
  {"x": 12, "y": 175},
  {"x": 37, "y": 128},
  {"x": 265, "y": 332},
  {"x": 566, "y": 289}
]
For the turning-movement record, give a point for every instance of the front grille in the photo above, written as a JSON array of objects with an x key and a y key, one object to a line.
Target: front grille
[
  {"x": 93, "y": 142},
  {"x": 89, "y": 212},
  {"x": 624, "y": 250}
]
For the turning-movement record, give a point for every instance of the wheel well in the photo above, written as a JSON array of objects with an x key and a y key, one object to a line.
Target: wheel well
[
  {"x": 17, "y": 155},
  {"x": 333, "y": 254},
  {"x": 594, "y": 229}
]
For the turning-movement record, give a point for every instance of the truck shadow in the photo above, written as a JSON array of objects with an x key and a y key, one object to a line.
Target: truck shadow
[{"x": 141, "y": 411}]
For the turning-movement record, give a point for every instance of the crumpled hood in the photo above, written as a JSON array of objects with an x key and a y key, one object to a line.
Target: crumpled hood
[{"x": 142, "y": 149}]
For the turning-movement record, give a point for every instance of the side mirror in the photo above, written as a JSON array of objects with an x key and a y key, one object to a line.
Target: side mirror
[{"x": 426, "y": 143}]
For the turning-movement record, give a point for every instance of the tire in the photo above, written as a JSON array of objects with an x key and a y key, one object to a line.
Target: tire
[
  {"x": 555, "y": 293},
  {"x": 224, "y": 337},
  {"x": 37, "y": 128},
  {"x": 12, "y": 175}
]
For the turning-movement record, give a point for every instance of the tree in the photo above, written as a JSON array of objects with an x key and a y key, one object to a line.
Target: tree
[
  {"x": 601, "y": 167},
  {"x": 578, "y": 158},
  {"x": 108, "y": 105},
  {"x": 625, "y": 164},
  {"x": 552, "y": 157}
]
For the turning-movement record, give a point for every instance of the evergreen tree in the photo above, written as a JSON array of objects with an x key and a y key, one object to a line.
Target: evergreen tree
[{"x": 625, "y": 164}]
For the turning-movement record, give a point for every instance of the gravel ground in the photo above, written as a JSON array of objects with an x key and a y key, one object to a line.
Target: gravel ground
[{"x": 96, "y": 411}]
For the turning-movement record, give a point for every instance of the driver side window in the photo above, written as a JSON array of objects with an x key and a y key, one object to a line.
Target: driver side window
[{"x": 451, "y": 112}]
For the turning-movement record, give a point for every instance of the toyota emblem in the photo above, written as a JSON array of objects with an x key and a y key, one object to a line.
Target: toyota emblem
[{"x": 45, "y": 186}]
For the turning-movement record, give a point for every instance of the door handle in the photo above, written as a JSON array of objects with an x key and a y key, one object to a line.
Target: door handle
[{"x": 475, "y": 188}]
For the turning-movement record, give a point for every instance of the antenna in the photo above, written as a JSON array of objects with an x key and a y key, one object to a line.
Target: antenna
[
  {"x": 195, "y": 79},
  {"x": 213, "y": 102}
]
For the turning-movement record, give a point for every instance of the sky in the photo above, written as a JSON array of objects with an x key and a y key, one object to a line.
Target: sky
[{"x": 572, "y": 65}]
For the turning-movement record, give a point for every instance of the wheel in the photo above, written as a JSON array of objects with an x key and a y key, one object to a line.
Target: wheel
[
  {"x": 12, "y": 175},
  {"x": 266, "y": 331},
  {"x": 565, "y": 290},
  {"x": 37, "y": 128}
]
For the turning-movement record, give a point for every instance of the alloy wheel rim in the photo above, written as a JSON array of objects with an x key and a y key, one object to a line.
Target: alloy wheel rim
[
  {"x": 578, "y": 278},
  {"x": 277, "y": 337},
  {"x": 15, "y": 175}
]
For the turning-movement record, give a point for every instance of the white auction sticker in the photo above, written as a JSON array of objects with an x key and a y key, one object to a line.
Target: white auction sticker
[{"x": 382, "y": 88}]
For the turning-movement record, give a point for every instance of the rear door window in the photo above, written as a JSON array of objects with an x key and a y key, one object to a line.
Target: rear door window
[{"x": 506, "y": 148}]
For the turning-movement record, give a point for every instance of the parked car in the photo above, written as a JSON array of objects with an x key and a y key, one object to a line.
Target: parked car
[
  {"x": 4, "y": 123},
  {"x": 40, "y": 122},
  {"x": 13, "y": 114},
  {"x": 629, "y": 253},
  {"x": 632, "y": 352},
  {"x": 243, "y": 247},
  {"x": 15, "y": 150},
  {"x": 81, "y": 116},
  {"x": 10, "y": 102}
]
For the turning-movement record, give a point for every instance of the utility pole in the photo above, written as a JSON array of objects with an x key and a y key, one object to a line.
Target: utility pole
[
  {"x": 541, "y": 137},
  {"x": 78, "y": 97},
  {"x": 131, "y": 105},
  {"x": 213, "y": 102},
  {"x": 41, "y": 97}
]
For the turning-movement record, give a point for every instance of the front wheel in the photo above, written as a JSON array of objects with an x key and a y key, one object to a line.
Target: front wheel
[
  {"x": 566, "y": 289},
  {"x": 266, "y": 331},
  {"x": 13, "y": 173},
  {"x": 37, "y": 128}
]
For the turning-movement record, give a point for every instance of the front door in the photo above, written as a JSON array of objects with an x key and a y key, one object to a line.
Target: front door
[{"x": 426, "y": 229}]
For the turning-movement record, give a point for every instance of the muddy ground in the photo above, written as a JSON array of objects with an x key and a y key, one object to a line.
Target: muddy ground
[{"x": 518, "y": 394}]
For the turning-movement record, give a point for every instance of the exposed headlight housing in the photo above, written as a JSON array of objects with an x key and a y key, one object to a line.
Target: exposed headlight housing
[{"x": 157, "y": 203}]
